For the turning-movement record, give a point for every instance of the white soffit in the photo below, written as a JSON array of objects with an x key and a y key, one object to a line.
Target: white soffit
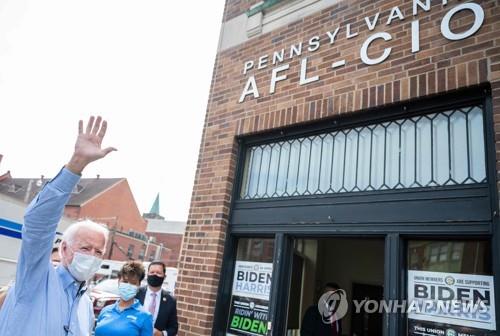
[{"x": 234, "y": 32}]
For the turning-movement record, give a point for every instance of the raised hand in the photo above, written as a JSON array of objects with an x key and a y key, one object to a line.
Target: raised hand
[{"x": 88, "y": 145}]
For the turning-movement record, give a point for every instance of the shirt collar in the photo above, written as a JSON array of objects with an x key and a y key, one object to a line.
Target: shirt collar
[
  {"x": 66, "y": 277},
  {"x": 136, "y": 305},
  {"x": 149, "y": 291}
]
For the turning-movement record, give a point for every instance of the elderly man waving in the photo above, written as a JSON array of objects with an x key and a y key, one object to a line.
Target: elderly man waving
[{"x": 52, "y": 301}]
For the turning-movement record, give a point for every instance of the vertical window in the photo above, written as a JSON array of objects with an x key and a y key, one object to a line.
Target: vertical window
[
  {"x": 130, "y": 251},
  {"x": 141, "y": 253}
]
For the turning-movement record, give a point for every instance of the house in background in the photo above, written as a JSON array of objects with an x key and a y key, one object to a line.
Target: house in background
[
  {"x": 166, "y": 233},
  {"x": 11, "y": 222},
  {"x": 104, "y": 200}
]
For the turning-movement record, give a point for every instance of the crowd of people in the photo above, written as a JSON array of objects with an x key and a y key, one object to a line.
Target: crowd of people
[{"x": 49, "y": 295}]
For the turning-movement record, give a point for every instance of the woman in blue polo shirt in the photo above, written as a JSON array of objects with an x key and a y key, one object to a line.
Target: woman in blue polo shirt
[{"x": 126, "y": 317}]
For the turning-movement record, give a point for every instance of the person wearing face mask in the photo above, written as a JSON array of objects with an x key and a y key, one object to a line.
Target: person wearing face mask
[
  {"x": 158, "y": 302},
  {"x": 126, "y": 317},
  {"x": 50, "y": 301}
]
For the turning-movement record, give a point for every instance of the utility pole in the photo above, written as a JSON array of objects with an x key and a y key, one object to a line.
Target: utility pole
[{"x": 150, "y": 239}]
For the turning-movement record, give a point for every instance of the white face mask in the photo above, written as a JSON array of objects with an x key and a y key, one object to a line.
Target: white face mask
[{"x": 84, "y": 266}]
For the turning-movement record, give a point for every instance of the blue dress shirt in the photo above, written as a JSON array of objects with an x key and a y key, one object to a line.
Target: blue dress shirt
[
  {"x": 132, "y": 321},
  {"x": 44, "y": 300}
]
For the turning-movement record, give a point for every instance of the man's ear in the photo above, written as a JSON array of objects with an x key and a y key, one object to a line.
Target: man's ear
[{"x": 63, "y": 247}]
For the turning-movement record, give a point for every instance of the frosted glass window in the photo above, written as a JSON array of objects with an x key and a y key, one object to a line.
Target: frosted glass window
[
  {"x": 283, "y": 168},
  {"x": 315, "y": 165},
  {"x": 438, "y": 149}
]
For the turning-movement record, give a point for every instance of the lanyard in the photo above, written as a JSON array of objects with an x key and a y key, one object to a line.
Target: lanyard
[{"x": 79, "y": 293}]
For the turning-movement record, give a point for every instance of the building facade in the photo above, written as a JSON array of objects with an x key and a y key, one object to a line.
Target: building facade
[
  {"x": 351, "y": 142},
  {"x": 167, "y": 233}
]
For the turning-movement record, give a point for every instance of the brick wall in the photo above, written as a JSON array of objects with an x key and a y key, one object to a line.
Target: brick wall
[
  {"x": 173, "y": 243},
  {"x": 440, "y": 66},
  {"x": 115, "y": 206},
  {"x": 124, "y": 242}
]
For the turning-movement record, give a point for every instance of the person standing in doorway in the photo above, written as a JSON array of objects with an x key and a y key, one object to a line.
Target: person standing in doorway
[
  {"x": 158, "y": 302},
  {"x": 312, "y": 323}
]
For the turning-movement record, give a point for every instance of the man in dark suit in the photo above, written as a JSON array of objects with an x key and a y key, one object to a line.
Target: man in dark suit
[
  {"x": 312, "y": 323},
  {"x": 158, "y": 302}
]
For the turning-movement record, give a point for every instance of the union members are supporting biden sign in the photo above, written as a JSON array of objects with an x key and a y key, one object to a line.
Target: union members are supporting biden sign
[{"x": 450, "y": 304}]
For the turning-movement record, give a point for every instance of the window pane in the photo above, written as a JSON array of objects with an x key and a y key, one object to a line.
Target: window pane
[
  {"x": 315, "y": 165},
  {"x": 302, "y": 176},
  {"x": 378, "y": 157},
  {"x": 424, "y": 152},
  {"x": 264, "y": 171},
  {"x": 440, "y": 149},
  {"x": 437, "y": 149},
  {"x": 458, "y": 129},
  {"x": 338, "y": 162},
  {"x": 476, "y": 145},
  {"x": 246, "y": 173},
  {"x": 408, "y": 132},
  {"x": 392, "y": 156},
  {"x": 253, "y": 179},
  {"x": 255, "y": 249},
  {"x": 293, "y": 169},
  {"x": 433, "y": 256},
  {"x": 363, "y": 180},
  {"x": 326, "y": 163},
  {"x": 273, "y": 171},
  {"x": 283, "y": 169},
  {"x": 351, "y": 160}
]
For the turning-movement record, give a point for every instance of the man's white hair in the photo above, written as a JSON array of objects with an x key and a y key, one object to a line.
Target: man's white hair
[{"x": 71, "y": 232}]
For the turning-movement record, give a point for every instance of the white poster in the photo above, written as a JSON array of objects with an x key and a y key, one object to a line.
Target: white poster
[
  {"x": 252, "y": 279},
  {"x": 452, "y": 298},
  {"x": 249, "y": 312}
]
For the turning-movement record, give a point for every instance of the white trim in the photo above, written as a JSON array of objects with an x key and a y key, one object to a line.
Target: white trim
[
  {"x": 12, "y": 261},
  {"x": 289, "y": 8},
  {"x": 240, "y": 29}
]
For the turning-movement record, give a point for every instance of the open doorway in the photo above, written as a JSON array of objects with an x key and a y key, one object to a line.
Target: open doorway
[{"x": 356, "y": 265}]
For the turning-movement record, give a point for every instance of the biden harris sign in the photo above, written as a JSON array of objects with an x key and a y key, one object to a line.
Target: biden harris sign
[{"x": 249, "y": 313}]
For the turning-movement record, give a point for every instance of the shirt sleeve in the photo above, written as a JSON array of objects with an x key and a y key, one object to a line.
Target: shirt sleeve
[
  {"x": 40, "y": 224},
  {"x": 147, "y": 327}
]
